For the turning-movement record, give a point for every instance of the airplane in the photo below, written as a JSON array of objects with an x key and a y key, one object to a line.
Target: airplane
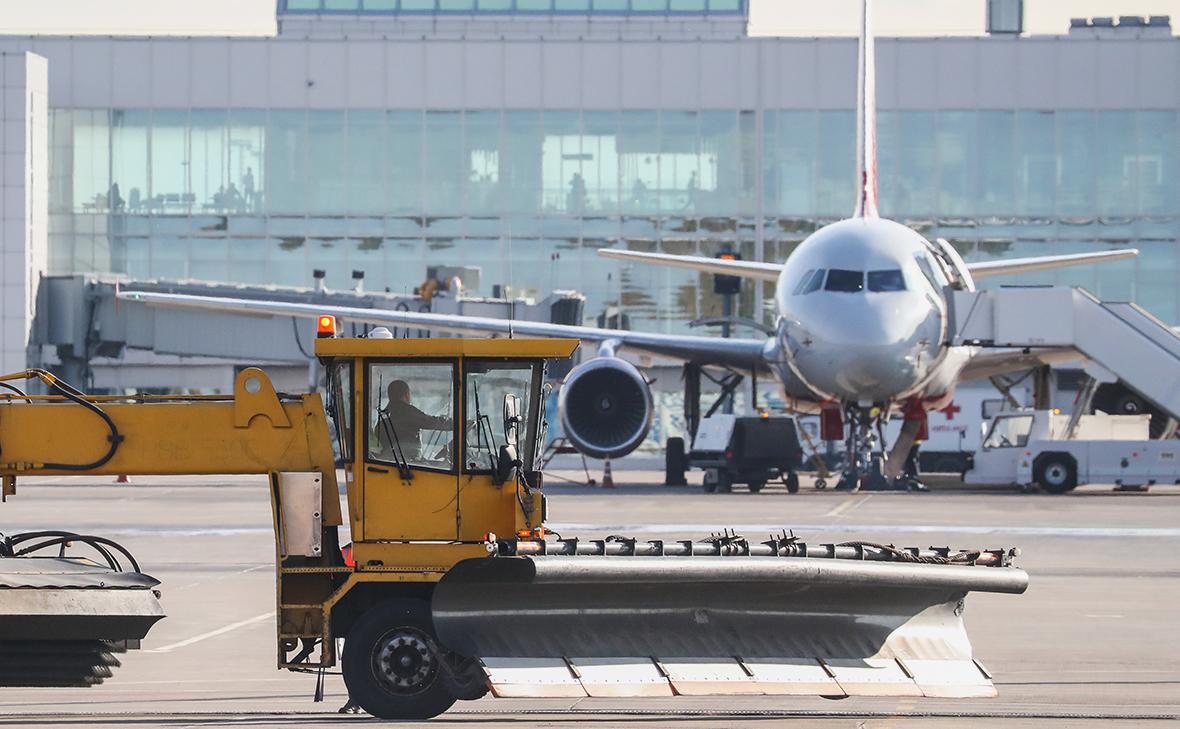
[{"x": 861, "y": 318}]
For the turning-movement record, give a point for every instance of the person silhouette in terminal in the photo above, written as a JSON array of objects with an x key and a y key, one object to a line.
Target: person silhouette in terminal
[
  {"x": 407, "y": 422},
  {"x": 248, "y": 188}
]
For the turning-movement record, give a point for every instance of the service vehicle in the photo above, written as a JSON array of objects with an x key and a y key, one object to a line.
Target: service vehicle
[
  {"x": 1059, "y": 452},
  {"x": 751, "y": 450},
  {"x": 453, "y": 586}
]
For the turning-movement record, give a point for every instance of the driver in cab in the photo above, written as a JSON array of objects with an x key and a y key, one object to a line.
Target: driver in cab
[{"x": 407, "y": 422}]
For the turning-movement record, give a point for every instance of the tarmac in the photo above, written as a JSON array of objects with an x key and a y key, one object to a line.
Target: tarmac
[{"x": 1093, "y": 641}]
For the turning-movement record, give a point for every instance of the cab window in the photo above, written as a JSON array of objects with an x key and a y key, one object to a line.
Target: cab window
[
  {"x": 840, "y": 279},
  {"x": 1010, "y": 431},
  {"x": 886, "y": 280},
  {"x": 487, "y": 384},
  {"x": 411, "y": 415},
  {"x": 340, "y": 407}
]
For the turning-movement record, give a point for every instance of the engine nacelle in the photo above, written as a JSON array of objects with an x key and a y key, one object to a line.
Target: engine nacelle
[{"x": 605, "y": 407}]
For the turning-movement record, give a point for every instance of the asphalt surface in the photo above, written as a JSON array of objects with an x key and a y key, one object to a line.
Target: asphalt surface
[{"x": 1094, "y": 640}]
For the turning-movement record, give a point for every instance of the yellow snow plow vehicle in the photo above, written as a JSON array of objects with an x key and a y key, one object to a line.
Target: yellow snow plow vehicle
[{"x": 448, "y": 585}]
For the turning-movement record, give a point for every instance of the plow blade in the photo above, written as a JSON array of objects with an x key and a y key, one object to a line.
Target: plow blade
[
  {"x": 62, "y": 621},
  {"x": 662, "y": 626}
]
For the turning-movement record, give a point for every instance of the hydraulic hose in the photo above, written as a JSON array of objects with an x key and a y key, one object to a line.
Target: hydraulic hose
[
  {"x": 54, "y": 538},
  {"x": 72, "y": 394}
]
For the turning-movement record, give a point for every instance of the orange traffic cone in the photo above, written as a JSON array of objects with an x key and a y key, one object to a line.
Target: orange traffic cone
[
  {"x": 608, "y": 482},
  {"x": 122, "y": 478}
]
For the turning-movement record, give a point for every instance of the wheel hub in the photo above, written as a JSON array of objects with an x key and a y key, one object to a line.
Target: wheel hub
[
  {"x": 1055, "y": 474},
  {"x": 404, "y": 661}
]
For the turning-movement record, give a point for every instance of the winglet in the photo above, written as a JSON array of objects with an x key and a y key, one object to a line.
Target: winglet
[{"x": 866, "y": 118}]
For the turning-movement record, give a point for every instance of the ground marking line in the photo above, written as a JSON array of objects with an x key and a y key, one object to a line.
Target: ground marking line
[
  {"x": 847, "y": 505},
  {"x": 212, "y": 633}
]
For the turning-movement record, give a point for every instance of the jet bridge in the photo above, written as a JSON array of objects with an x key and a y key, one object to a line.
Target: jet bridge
[{"x": 1120, "y": 337}]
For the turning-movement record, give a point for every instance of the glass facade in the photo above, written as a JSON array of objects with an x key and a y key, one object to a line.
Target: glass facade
[
  {"x": 478, "y": 7},
  {"x": 265, "y": 196}
]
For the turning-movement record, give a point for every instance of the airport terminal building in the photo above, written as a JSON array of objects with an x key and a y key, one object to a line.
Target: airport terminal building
[{"x": 521, "y": 135}]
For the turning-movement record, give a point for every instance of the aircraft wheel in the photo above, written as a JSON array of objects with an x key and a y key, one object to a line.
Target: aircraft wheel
[
  {"x": 391, "y": 663},
  {"x": 1056, "y": 473}
]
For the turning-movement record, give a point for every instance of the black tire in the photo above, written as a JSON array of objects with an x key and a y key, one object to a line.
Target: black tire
[
  {"x": 391, "y": 664},
  {"x": 792, "y": 483},
  {"x": 675, "y": 462},
  {"x": 755, "y": 485},
  {"x": 709, "y": 482},
  {"x": 1055, "y": 473},
  {"x": 724, "y": 483}
]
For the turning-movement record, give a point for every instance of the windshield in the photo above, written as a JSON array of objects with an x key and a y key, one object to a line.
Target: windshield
[
  {"x": 840, "y": 279},
  {"x": 411, "y": 414},
  {"x": 487, "y": 384},
  {"x": 887, "y": 280},
  {"x": 1009, "y": 432}
]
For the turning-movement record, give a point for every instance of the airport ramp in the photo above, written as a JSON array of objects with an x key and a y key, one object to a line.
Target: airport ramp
[{"x": 1121, "y": 337}]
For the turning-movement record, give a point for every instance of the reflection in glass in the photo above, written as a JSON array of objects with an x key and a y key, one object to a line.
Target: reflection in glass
[{"x": 411, "y": 415}]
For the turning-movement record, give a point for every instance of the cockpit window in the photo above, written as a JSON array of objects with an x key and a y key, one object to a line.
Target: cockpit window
[
  {"x": 840, "y": 279},
  {"x": 887, "y": 280},
  {"x": 803, "y": 282},
  {"x": 933, "y": 275},
  {"x": 816, "y": 280}
]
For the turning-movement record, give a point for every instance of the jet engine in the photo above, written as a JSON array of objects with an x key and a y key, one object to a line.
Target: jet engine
[{"x": 605, "y": 407}]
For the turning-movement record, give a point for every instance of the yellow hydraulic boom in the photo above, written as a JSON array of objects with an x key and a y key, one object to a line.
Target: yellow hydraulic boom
[{"x": 450, "y": 586}]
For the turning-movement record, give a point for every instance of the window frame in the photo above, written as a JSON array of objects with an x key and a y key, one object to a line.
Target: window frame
[
  {"x": 532, "y": 416},
  {"x": 370, "y": 363}
]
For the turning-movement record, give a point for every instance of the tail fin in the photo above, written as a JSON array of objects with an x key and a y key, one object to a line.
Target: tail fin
[{"x": 866, "y": 118}]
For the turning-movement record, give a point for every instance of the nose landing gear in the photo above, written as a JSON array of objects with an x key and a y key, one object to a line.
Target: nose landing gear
[{"x": 865, "y": 467}]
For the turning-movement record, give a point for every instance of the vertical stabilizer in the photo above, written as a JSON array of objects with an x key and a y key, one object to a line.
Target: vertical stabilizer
[{"x": 866, "y": 118}]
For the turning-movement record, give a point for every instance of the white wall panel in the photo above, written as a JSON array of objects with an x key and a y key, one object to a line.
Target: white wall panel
[
  {"x": 249, "y": 71},
  {"x": 997, "y": 69},
  {"x": 957, "y": 68},
  {"x": 171, "y": 73},
  {"x": 561, "y": 75},
  {"x": 680, "y": 76},
  {"x": 326, "y": 73},
  {"x": 522, "y": 75},
  {"x": 210, "y": 77},
  {"x": 404, "y": 75},
  {"x": 1118, "y": 66},
  {"x": 366, "y": 75},
  {"x": 1077, "y": 75},
  {"x": 791, "y": 74},
  {"x": 835, "y": 66},
  {"x": 917, "y": 74},
  {"x": 131, "y": 65},
  {"x": 746, "y": 78},
  {"x": 1159, "y": 74},
  {"x": 91, "y": 73},
  {"x": 889, "y": 78},
  {"x": 719, "y": 73},
  {"x": 641, "y": 82},
  {"x": 484, "y": 75},
  {"x": 444, "y": 75},
  {"x": 601, "y": 73},
  {"x": 287, "y": 81},
  {"x": 1035, "y": 74}
]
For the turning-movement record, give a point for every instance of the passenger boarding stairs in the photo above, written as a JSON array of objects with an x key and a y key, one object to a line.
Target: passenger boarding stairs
[{"x": 1120, "y": 337}]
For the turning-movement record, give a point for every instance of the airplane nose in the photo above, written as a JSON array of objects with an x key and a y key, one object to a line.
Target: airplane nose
[{"x": 866, "y": 352}]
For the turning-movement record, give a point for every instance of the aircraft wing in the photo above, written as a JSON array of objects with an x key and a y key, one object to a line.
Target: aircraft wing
[
  {"x": 984, "y": 269},
  {"x": 745, "y": 269},
  {"x": 995, "y": 362},
  {"x": 745, "y": 354}
]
